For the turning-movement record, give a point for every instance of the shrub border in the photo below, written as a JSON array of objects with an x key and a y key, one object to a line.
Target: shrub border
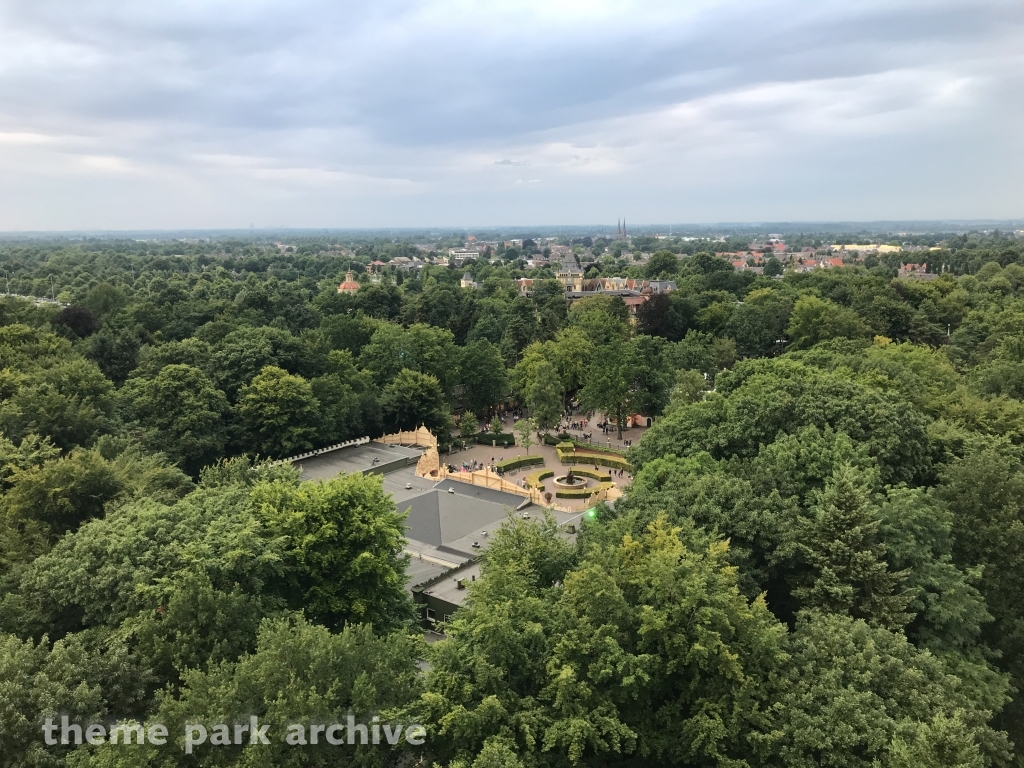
[
  {"x": 535, "y": 479},
  {"x": 519, "y": 461},
  {"x": 600, "y": 459},
  {"x": 581, "y": 493}
]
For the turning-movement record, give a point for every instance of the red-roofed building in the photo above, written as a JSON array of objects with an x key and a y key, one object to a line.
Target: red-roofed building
[
  {"x": 525, "y": 284},
  {"x": 633, "y": 303},
  {"x": 916, "y": 271},
  {"x": 350, "y": 285}
]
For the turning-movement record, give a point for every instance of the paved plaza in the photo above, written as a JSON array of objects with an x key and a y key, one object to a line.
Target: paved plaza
[{"x": 487, "y": 455}]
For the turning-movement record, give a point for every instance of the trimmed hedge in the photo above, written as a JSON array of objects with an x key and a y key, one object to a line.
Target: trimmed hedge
[
  {"x": 548, "y": 439},
  {"x": 504, "y": 440},
  {"x": 580, "y": 493},
  {"x": 600, "y": 459},
  {"x": 521, "y": 461},
  {"x": 601, "y": 476},
  {"x": 536, "y": 479},
  {"x": 595, "y": 448}
]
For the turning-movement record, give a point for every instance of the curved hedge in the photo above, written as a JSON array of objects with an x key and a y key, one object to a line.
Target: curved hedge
[
  {"x": 581, "y": 493},
  {"x": 600, "y": 459},
  {"x": 520, "y": 461},
  {"x": 600, "y": 476},
  {"x": 536, "y": 479}
]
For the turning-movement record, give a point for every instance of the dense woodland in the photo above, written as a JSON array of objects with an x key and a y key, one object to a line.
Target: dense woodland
[{"x": 818, "y": 564}]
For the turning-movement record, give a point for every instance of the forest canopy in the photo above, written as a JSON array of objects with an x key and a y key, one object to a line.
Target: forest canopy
[{"x": 817, "y": 563}]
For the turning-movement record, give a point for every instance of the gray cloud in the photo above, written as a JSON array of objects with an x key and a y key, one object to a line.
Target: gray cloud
[{"x": 320, "y": 113}]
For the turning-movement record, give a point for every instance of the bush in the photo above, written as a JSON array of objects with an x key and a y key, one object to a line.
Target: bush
[
  {"x": 594, "y": 448},
  {"x": 504, "y": 440},
  {"x": 536, "y": 479},
  {"x": 600, "y": 476},
  {"x": 600, "y": 459},
  {"x": 521, "y": 461},
  {"x": 580, "y": 493}
]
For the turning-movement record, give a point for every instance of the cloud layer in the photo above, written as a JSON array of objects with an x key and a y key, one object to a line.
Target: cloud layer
[{"x": 222, "y": 113}]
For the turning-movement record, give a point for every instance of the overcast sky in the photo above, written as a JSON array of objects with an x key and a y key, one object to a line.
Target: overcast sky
[{"x": 119, "y": 114}]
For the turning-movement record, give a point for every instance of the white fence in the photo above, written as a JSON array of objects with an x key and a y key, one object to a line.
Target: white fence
[{"x": 319, "y": 451}]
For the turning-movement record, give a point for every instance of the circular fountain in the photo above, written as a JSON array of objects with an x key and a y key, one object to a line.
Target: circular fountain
[{"x": 569, "y": 480}]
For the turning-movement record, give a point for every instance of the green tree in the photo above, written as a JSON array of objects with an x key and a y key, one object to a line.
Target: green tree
[
  {"x": 689, "y": 388},
  {"x": 346, "y": 332},
  {"x": 345, "y": 540},
  {"x": 694, "y": 351},
  {"x": 759, "y": 324},
  {"x": 524, "y": 429},
  {"x": 379, "y": 300},
  {"x": 760, "y": 399},
  {"x": 413, "y": 399},
  {"x": 243, "y": 353},
  {"x": 725, "y": 353},
  {"x": 71, "y": 402},
  {"x": 626, "y": 378},
  {"x": 520, "y": 330},
  {"x": 603, "y": 663},
  {"x": 848, "y": 571},
  {"x": 469, "y": 424},
  {"x": 41, "y": 679},
  {"x": 945, "y": 742},
  {"x": 277, "y": 414},
  {"x": 607, "y": 387},
  {"x": 855, "y": 692},
  {"x": 105, "y": 299},
  {"x": 116, "y": 353},
  {"x": 815, "y": 320},
  {"x": 31, "y": 452},
  {"x": 655, "y": 317},
  {"x": 340, "y": 417},
  {"x": 482, "y": 375},
  {"x": 299, "y": 672},
  {"x": 984, "y": 490},
  {"x": 62, "y": 494},
  {"x": 660, "y": 264},
  {"x": 126, "y": 563},
  {"x": 544, "y": 396},
  {"x": 603, "y": 319},
  {"x": 419, "y": 348},
  {"x": 571, "y": 353},
  {"x": 184, "y": 413}
]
